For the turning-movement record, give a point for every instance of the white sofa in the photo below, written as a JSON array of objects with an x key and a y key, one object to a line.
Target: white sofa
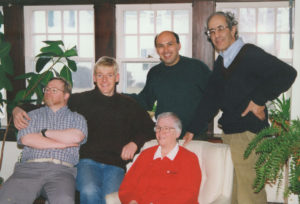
[{"x": 217, "y": 172}]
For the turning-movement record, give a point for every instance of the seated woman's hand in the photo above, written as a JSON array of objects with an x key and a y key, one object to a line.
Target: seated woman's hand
[{"x": 133, "y": 202}]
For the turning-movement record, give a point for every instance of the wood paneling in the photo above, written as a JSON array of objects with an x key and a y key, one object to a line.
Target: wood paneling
[
  {"x": 202, "y": 49},
  {"x": 14, "y": 33},
  {"x": 105, "y": 30}
]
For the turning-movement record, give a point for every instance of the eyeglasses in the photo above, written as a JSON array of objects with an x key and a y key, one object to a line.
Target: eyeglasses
[
  {"x": 52, "y": 90},
  {"x": 213, "y": 31},
  {"x": 166, "y": 129}
]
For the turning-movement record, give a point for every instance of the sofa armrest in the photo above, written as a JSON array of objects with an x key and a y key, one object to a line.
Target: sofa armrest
[
  {"x": 112, "y": 198},
  {"x": 222, "y": 200}
]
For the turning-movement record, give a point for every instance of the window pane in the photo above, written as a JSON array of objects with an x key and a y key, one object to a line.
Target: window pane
[
  {"x": 83, "y": 77},
  {"x": 249, "y": 38},
  {"x": 70, "y": 21},
  {"x": 247, "y": 21},
  {"x": 70, "y": 41},
  {"x": 86, "y": 21},
  {"x": 266, "y": 41},
  {"x": 38, "y": 43},
  {"x": 163, "y": 20},
  {"x": 232, "y": 10},
  {"x": 39, "y": 19},
  {"x": 147, "y": 46},
  {"x": 131, "y": 50},
  {"x": 130, "y": 22},
  {"x": 266, "y": 19},
  {"x": 282, "y": 47},
  {"x": 54, "y": 37},
  {"x": 283, "y": 20},
  {"x": 86, "y": 43},
  {"x": 181, "y": 21},
  {"x": 183, "y": 41},
  {"x": 54, "y": 21},
  {"x": 147, "y": 21},
  {"x": 136, "y": 74}
]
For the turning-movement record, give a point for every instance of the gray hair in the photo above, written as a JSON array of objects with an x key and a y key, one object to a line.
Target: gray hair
[
  {"x": 177, "y": 121},
  {"x": 230, "y": 20},
  {"x": 107, "y": 61}
]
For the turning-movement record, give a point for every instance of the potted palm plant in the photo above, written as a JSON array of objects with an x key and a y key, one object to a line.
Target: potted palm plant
[{"x": 278, "y": 147}]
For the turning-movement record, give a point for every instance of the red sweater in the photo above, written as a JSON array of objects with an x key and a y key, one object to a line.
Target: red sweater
[{"x": 162, "y": 180}]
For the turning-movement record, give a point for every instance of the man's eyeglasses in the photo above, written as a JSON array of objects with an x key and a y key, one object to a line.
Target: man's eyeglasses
[
  {"x": 166, "y": 129},
  {"x": 213, "y": 31},
  {"x": 52, "y": 90}
]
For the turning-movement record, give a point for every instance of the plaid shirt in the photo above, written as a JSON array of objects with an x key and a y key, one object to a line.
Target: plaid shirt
[{"x": 62, "y": 119}]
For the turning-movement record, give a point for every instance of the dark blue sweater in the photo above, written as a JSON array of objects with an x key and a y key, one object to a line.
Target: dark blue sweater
[
  {"x": 178, "y": 88},
  {"x": 253, "y": 75}
]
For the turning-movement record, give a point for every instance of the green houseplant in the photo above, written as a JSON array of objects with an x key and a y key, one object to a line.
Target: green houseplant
[{"x": 278, "y": 147}]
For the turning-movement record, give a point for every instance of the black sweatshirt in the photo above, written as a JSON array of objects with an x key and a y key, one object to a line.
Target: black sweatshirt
[
  {"x": 253, "y": 75},
  {"x": 112, "y": 123}
]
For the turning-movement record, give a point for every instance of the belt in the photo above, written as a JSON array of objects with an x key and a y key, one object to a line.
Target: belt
[{"x": 51, "y": 160}]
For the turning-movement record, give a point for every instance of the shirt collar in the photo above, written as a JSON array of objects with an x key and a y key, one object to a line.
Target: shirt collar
[
  {"x": 231, "y": 52},
  {"x": 171, "y": 155}
]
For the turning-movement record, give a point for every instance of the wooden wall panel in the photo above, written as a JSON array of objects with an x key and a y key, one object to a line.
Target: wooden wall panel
[
  {"x": 202, "y": 49},
  {"x": 14, "y": 33},
  {"x": 105, "y": 30}
]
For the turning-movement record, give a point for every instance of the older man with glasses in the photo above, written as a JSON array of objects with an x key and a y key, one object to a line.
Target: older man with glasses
[
  {"x": 166, "y": 173},
  {"x": 244, "y": 78}
]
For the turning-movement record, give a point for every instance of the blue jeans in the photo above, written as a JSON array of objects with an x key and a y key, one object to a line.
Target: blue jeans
[{"x": 95, "y": 180}]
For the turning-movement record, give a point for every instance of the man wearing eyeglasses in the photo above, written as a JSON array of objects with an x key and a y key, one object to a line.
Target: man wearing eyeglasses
[
  {"x": 244, "y": 78},
  {"x": 118, "y": 127},
  {"x": 51, "y": 150}
]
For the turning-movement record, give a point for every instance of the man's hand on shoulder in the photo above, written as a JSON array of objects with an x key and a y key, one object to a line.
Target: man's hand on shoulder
[
  {"x": 128, "y": 151},
  {"x": 20, "y": 118},
  {"x": 257, "y": 110},
  {"x": 187, "y": 138}
]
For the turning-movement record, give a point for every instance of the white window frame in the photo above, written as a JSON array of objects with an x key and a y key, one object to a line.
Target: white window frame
[
  {"x": 29, "y": 50},
  {"x": 120, "y": 9},
  {"x": 257, "y": 5}
]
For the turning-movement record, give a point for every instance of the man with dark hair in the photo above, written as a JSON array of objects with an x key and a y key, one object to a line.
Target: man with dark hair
[
  {"x": 177, "y": 83},
  {"x": 244, "y": 78},
  {"x": 118, "y": 127},
  {"x": 51, "y": 150}
]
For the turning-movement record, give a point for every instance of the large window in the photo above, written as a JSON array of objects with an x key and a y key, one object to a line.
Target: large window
[
  {"x": 137, "y": 26},
  {"x": 74, "y": 25},
  {"x": 265, "y": 24}
]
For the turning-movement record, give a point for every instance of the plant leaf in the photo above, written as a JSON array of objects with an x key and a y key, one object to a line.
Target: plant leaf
[
  {"x": 54, "y": 42},
  {"x": 72, "y": 65},
  {"x": 66, "y": 73},
  {"x": 71, "y": 52},
  {"x": 55, "y": 49},
  {"x": 5, "y": 82},
  {"x": 7, "y": 65},
  {"x": 41, "y": 62},
  {"x": 25, "y": 76},
  {"x": 4, "y": 48}
]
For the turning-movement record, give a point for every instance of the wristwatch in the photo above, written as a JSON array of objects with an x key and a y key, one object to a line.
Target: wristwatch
[{"x": 43, "y": 131}]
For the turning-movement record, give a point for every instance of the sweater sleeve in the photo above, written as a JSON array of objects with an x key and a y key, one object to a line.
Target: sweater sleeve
[
  {"x": 208, "y": 106},
  {"x": 277, "y": 76},
  {"x": 142, "y": 127},
  {"x": 146, "y": 98}
]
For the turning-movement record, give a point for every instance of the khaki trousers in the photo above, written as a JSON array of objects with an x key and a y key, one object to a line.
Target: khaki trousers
[{"x": 244, "y": 172}]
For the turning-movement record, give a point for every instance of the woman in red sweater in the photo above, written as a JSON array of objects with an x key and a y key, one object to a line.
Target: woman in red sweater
[{"x": 166, "y": 173}]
